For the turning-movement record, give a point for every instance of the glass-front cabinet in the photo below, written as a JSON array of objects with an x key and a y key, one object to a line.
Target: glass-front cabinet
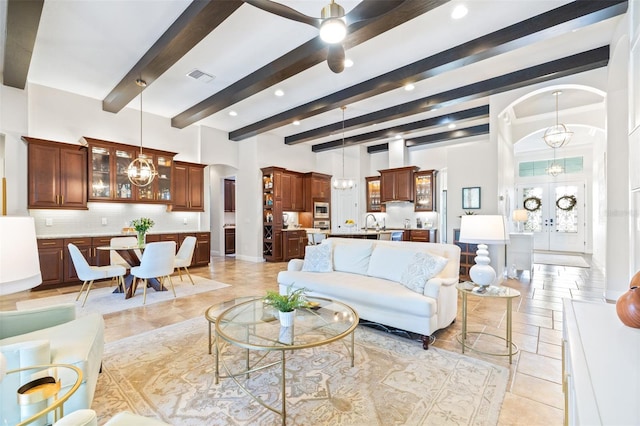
[
  {"x": 424, "y": 187},
  {"x": 373, "y": 194},
  {"x": 108, "y": 173}
]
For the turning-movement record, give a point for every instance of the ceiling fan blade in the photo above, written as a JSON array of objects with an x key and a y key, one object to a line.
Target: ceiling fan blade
[
  {"x": 284, "y": 11},
  {"x": 335, "y": 58},
  {"x": 368, "y": 9}
]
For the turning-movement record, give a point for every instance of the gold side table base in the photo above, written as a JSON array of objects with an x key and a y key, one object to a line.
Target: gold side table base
[{"x": 514, "y": 347}]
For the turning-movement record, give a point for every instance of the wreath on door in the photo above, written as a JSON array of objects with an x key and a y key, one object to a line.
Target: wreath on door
[
  {"x": 532, "y": 204},
  {"x": 566, "y": 202}
]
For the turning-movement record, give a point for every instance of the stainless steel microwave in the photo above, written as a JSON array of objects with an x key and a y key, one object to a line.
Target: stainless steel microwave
[{"x": 321, "y": 210}]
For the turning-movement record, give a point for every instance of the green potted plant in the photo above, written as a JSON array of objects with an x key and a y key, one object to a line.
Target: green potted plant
[{"x": 286, "y": 304}]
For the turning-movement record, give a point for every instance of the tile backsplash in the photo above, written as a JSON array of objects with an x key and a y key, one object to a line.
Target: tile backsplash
[{"x": 110, "y": 218}]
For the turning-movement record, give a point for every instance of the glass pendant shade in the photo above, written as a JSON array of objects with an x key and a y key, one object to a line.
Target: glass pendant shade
[
  {"x": 557, "y": 135},
  {"x": 333, "y": 28},
  {"x": 343, "y": 182},
  {"x": 554, "y": 169},
  {"x": 141, "y": 171}
]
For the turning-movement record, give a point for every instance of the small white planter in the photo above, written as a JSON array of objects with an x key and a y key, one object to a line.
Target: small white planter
[{"x": 286, "y": 318}]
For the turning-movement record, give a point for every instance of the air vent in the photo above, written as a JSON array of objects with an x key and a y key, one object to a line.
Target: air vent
[{"x": 201, "y": 76}]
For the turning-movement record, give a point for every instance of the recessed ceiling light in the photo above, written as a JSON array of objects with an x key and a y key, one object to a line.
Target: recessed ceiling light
[
  {"x": 279, "y": 92},
  {"x": 409, "y": 87},
  {"x": 452, "y": 125},
  {"x": 233, "y": 113},
  {"x": 398, "y": 136},
  {"x": 460, "y": 11},
  {"x": 348, "y": 63},
  {"x": 296, "y": 123}
]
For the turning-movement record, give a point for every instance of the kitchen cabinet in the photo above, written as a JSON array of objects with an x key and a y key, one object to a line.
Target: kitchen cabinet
[
  {"x": 317, "y": 187},
  {"x": 292, "y": 192},
  {"x": 188, "y": 187},
  {"x": 397, "y": 184},
  {"x": 294, "y": 244},
  {"x": 420, "y": 235},
  {"x": 84, "y": 246},
  {"x": 56, "y": 175},
  {"x": 108, "y": 179},
  {"x": 373, "y": 195},
  {"x": 424, "y": 195},
  {"x": 50, "y": 253},
  {"x": 272, "y": 194},
  {"x": 100, "y": 257},
  {"x": 229, "y": 240},
  {"x": 202, "y": 254},
  {"x": 229, "y": 195}
]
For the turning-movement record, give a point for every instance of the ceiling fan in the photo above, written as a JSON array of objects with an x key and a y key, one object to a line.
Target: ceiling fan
[{"x": 333, "y": 24}]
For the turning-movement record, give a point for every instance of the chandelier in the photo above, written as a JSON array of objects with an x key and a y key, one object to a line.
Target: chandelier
[
  {"x": 343, "y": 183},
  {"x": 554, "y": 169},
  {"x": 557, "y": 135},
  {"x": 141, "y": 171}
]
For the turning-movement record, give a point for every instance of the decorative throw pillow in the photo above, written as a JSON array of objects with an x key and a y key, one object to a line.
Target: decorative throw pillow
[
  {"x": 352, "y": 257},
  {"x": 423, "y": 267},
  {"x": 317, "y": 258}
]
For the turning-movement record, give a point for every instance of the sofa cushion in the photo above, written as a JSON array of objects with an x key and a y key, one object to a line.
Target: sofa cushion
[
  {"x": 317, "y": 258},
  {"x": 352, "y": 258},
  {"x": 389, "y": 262},
  {"x": 422, "y": 267}
]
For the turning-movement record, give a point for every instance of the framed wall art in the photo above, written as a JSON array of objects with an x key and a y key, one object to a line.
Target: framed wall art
[{"x": 471, "y": 197}]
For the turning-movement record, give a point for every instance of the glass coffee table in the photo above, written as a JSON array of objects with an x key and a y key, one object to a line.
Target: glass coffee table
[
  {"x": 42, "y": 389},
  {"x": 253, "y": 326}
]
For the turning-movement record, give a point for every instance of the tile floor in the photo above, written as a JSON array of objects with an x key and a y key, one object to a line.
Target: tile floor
[{"x": 534, "y": 394}]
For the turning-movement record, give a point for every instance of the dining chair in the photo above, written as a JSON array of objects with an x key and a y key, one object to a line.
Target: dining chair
[
  {"x": 317, "y": 237},
  {"x": 157, "y": 262},
  {"x": 117, "y": 242},
  {"x": 184, "y": 256},
  {"x": 88, "y": 273}
]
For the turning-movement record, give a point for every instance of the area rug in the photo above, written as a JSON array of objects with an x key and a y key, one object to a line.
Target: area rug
[
  {"x": 104, "y": 301},
  {"x": 168, "y": 374},
  {"x": 574, "y": 260}
]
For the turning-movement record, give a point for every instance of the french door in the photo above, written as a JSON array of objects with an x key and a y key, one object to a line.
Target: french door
[{"x": 556, "y": 215}]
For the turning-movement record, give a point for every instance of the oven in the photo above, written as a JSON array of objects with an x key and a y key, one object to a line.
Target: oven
[
  {"x": 323, "y": 225},
  {"x": 320, "y": 210}
]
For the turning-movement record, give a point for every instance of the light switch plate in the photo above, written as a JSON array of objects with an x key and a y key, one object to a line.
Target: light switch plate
[
  {"x": 48, "y": 221},
  {"x": 104, "y": 221}
]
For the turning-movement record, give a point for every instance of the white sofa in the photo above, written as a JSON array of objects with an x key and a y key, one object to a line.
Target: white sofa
[
  {"x": 50, "y": 335},
  {"x": 368, "y": 275}
]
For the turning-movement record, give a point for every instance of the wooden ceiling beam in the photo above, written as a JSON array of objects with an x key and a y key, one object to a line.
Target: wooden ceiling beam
[
  {"x": 568, "y": 17},
  {"x": 458, "y": 116},
  {"x": 580, "y": 62},
  {"x": 482, "y": 129},
  {"x": 194, "y": 24},
  {"x": 302, "y": 58},
  {"x": 23, "y": 19}
]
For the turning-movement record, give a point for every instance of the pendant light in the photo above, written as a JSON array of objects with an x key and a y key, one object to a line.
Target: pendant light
[
  {"x": 141, "y": 171},
  {"x": 343, "y": 183},
  {"x": 558, "y": 135},
  {"x": 554, "y": 169}
]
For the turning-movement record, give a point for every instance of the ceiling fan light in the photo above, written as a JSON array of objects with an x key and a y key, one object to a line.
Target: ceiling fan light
[
  {"x": 333, "y": 30},
  {"x": 557, "y": 136}
]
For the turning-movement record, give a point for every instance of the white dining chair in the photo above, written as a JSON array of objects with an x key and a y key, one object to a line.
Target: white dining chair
[
  {"x": 157, "y": 262},
  {"x": 184, "y": 256},
  {"x": 317, "y": 237},
  {"x": 88, "y": 273},
  {"x": 120, "y": 242}
]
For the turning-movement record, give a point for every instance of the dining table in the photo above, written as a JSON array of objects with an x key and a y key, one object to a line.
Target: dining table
[{"x": 130, "y": 255}]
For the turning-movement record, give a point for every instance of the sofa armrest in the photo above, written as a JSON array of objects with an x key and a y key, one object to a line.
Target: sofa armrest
[
  {"x": 432, "y": 287},
  {"x": 295, "y": 265},
  {"x": 14, "y": 323}
]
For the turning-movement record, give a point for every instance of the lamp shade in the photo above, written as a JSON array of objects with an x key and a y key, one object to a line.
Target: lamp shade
[
  {"x": 19, "y": 261},
  {"x": 483, "y": 229},
  {"x": 520, "y": 215}
]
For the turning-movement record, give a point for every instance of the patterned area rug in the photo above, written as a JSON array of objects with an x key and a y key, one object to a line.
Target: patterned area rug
[
  {"x": 104, "y": 301},
  {"x": 168, "y": 374}
]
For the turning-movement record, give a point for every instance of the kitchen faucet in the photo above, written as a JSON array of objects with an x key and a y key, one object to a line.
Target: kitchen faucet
[{"x": 366, "y": 221}]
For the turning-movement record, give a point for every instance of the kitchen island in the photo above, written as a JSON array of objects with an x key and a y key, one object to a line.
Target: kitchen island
[{"x": 368, "y": 235}]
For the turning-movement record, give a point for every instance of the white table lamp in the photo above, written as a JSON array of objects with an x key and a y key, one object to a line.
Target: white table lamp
[
  {"x": 483, "y": 230},
  {"x": 520, "y": 216},
  {"x": 19, "y": 261}
]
